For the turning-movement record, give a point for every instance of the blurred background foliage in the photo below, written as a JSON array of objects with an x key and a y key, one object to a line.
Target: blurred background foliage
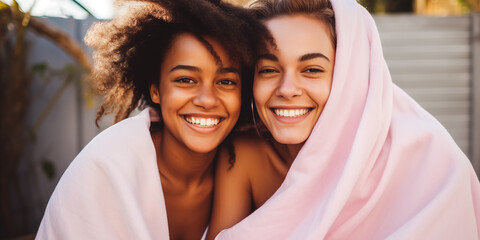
[
  {"x": 15, "y": 98},
  {"x": 430, "y": 7}
]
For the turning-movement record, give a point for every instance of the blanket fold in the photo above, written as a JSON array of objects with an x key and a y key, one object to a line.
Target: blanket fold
[
  {"x": 376, "y": 165},
  {"x": 111, "y": 190}
]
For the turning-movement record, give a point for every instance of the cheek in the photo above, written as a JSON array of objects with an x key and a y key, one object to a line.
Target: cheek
[
  {"x": 261, "y": 93},
  {"x": 172, "y": 100},
  {"x": 233, "y": 102},
  {"x": 321, "y": 95},
  {"x": 168, "y": 98}
]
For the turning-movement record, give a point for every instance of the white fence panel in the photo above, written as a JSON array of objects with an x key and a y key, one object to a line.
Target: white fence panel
[{"x": 431, "y": 59}]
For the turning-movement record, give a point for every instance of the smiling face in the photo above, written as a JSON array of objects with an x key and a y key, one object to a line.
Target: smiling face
[
  {"x": 199, "y": 100},
  {"x": 292, "y": 82}
]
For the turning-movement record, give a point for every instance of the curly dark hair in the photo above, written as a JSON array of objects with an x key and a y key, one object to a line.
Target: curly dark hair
[{"x": 129, "y": 49}]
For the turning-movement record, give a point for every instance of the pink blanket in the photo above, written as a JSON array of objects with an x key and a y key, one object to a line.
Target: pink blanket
[
  {"x": 111, "y": 190},
  {"x": 376, "y": 166}
]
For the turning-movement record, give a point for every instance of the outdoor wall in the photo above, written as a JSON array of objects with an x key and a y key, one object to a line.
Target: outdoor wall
[
  {"x": 65, "y": 131},
  {"x": 475, "y": 109},
  {"x": 431, "y": 58}
]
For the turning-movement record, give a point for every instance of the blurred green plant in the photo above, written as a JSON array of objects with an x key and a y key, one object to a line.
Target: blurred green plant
[
  {"x": 466, "y": 5},
  {"x": 15, "y": 99},
  {"x": 83, "y": 7},
  {"x": 69, "y": 74},
  {"x": 403, "y": 6},
  {"x": 390, "y": 6}
]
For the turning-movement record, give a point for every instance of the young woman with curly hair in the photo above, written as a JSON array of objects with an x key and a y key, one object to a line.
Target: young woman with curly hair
[{"x": 151, "y": 176}]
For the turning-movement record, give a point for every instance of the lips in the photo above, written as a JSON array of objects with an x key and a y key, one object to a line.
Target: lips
[
  {"x": 204, "y": 122},
  {"x": 290, "y": 112}
]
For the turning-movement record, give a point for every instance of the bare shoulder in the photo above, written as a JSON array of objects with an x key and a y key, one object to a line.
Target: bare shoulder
[
  {"x": 233, "y": 181},
  {"x": 249, "y": 149},
  {"x": 249, "y": 142}
]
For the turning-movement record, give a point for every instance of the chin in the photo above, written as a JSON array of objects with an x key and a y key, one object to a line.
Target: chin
[
  {"x": 290, "y": 140},
  {"x": 203, "y": 149}
]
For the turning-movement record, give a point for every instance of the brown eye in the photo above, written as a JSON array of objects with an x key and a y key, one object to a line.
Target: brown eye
[
  {"x": 313, "y": 70},
  {"x": 227, "y": 82},
  {"x": 184, "y": 80},
  {"x": 268, "y": 70}
]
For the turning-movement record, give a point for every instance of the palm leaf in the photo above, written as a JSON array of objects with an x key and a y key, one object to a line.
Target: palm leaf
[{"x": 83, "y": 7}]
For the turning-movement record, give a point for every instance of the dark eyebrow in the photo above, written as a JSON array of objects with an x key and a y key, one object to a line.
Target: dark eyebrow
[
  {"x": 196, "y": 69},
  {"x": 268, "y": 56},
  {"x": 309, "y": 56},
  {"x": 228, "y": 70},
  {"x": 185, "y": 67}
]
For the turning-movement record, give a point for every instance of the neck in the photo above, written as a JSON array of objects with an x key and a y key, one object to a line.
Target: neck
[
  {"x": 178, "y": 164},
  {"x": 288, "y": 152}
]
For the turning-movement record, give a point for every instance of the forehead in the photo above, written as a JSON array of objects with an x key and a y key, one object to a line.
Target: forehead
[
  {"x": 185, "y": 43},
  {"x": 188, "y": 49},
  {"x": 300, "y": 34}
]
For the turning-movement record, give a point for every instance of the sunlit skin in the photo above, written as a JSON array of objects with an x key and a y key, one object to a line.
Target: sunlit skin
[
  {"x": 193, "y": 87},
  {"x": 200, "y": 104},
  {"x": 291, "y": 87},
  {"x": 292, "y": 84}
]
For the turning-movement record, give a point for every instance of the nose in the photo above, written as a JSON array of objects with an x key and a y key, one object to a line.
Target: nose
[
  {"x": 206, "y": 97},
  {"x": 288, "y": 86}
]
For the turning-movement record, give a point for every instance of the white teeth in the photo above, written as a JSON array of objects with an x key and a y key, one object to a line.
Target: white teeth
[
  {"x": 203, "y": 122},
  {"x": 291, "y": 112}
]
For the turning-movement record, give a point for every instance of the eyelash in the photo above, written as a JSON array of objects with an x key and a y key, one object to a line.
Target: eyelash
[
  {"x": 184, "y": 80},
  {"x": 227, "y": 82},
  {"x": 313, "y": 70},
  {"x": 268, "y": 70},
  {"x": 308, "y": 70}
]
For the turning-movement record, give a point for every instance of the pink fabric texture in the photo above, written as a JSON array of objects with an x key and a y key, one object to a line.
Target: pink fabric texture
[
  {"x": 111, "y": 190},
  {"x": 376, "y": 166}
]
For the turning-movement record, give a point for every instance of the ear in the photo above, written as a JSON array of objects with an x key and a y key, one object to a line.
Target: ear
[{"x": 154, "y": 94}]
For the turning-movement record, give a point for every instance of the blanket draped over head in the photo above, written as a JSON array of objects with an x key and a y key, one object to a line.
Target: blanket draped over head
[
  {"x": 112, "y": 189},
  {"x": 376, "y": 165}
]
